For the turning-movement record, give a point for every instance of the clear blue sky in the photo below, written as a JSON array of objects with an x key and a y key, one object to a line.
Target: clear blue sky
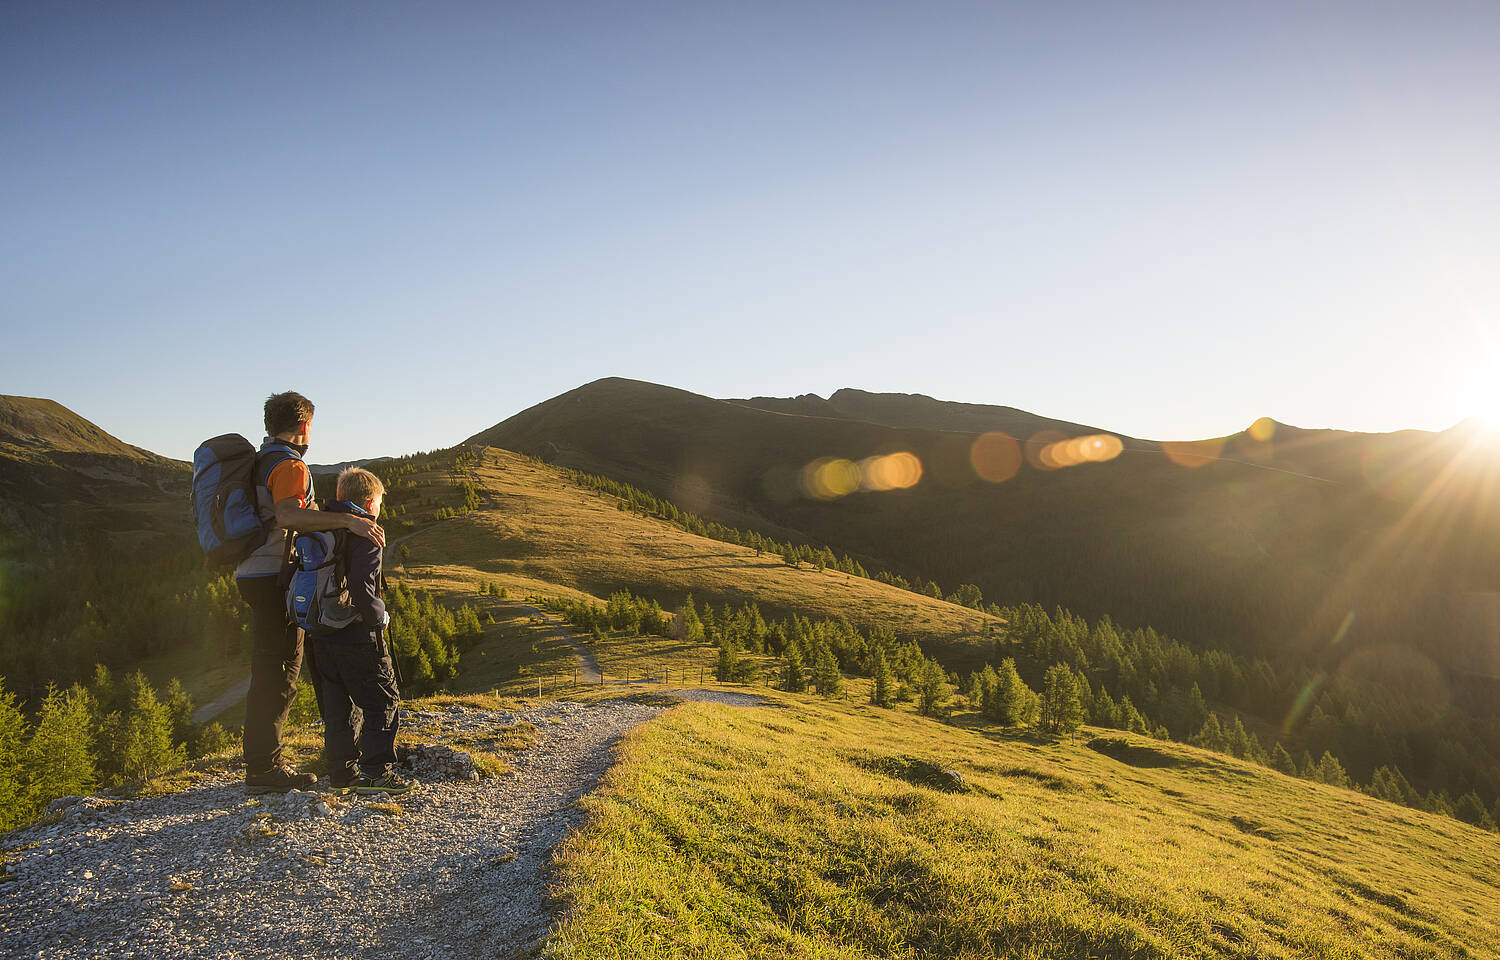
[{"x": 1161, "y": 219}]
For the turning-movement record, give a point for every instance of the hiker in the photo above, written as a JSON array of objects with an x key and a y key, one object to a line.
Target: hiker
[
  {"x": 284, "y": 500},
  {"x": 355, "y": 671}
]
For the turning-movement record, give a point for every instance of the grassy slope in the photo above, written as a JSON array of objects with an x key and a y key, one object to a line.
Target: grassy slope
[
  {"x": 542, "y": 534},
  {"x": 774, "y": 832}
]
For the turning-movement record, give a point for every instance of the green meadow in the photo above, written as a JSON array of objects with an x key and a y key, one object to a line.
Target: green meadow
[{"x": 808, "y": 828}]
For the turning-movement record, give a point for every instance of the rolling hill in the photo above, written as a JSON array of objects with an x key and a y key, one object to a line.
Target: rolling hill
[
  {"x": 61, "y": 474},
  {"x": 1279, "y": 542}
]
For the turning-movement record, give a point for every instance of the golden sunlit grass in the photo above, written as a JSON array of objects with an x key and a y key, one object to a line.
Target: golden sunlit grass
[
  {"x": 540, "y": 534},
  {"x": 805, "y": 832}
]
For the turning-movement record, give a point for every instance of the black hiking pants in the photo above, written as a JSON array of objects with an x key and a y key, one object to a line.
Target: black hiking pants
[
  {"x": 360, "y": 701},
  {"x": 275, "y": 660}
]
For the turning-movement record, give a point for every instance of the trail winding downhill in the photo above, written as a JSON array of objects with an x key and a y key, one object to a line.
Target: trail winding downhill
[{"x": 459, "y": 870}]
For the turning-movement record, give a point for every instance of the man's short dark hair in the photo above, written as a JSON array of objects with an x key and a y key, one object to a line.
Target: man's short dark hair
[{"x": 285, "y": 410}]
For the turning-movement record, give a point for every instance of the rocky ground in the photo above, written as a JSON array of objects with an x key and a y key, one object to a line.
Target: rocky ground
[{"x": 455, "y": 869}]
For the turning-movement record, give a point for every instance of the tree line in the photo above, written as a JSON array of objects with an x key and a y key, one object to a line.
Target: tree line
[{"x": 101, "y": 734}]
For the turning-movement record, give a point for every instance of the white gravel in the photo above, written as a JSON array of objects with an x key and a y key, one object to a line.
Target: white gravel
[{"x": 461, "y": 872}]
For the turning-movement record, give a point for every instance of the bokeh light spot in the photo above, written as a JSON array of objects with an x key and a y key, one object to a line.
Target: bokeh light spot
[
  {"x": 1263, "y": 429},
  {"x": 829, "y": 478},
  {"x": 996, "y": 457},
  {"x": 1193, "y": 453},
  {"x": 896, "y": 471}
]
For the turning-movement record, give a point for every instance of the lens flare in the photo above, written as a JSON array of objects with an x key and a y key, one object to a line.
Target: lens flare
[
  {"x": 1093, "y": 448},
  {"x": 896, "y": 471},
  {"x": 1193, "y": 453},
  {"x": 1037, "y": 449},
  {"x": 1263, "y": 429},
  {"x": 829, "y": 478},
  {"x": 996, "y": 457}
]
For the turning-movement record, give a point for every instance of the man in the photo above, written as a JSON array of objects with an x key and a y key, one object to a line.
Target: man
[{"x": 284, "y": 499}]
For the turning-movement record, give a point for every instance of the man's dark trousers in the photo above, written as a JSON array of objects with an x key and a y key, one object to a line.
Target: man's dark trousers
[
  {"x": 275, "y": 660},
  {"x": 358, "y": 685}
]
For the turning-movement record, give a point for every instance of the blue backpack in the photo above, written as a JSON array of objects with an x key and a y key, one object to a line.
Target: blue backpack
[
  {"x": 317, "y": 597},
  {"x": 229, "y": 525},
  {"x": 225, "y": 472}
]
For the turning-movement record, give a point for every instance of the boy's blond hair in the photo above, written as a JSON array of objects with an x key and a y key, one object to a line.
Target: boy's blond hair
[{"x": 358, "y": 485}]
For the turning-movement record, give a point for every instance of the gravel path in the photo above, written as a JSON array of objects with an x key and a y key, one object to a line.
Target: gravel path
[
  {"x": 588, "y": 667},
  {"x": 460, "y": 871}
]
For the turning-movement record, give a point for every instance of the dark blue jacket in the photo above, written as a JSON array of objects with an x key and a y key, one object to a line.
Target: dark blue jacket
[{"x": 364, "y": 578}]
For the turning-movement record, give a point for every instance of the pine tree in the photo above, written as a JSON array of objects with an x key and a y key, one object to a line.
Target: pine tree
[
  {"x": 60, "y": 755},
  {"x": 1061, "y": 711},
  {"x": 145, "y": 744},
  {"x": 1470, "y": 809},
  {"x": 796, "y": 677},
  {"x": 212, "y": 739},
  {"x": 1282, "y": 761},
  {"x": 729, "y": 662},
  {"x": 932, "y": 689},
  {"x": 1197, "y": 710},
  {"x": 1237, "y": 742},
  {"x": 180, "y": 708},
  {"x": 826, "y": 672},
  {"x": 974, "y": 691},
  {"x": 1308, "y": 770},
  {"x": 885, "y": 681},
  {"x": 686, "y": 626},
  {"x": 1132, "y": 719},
  {"x": 1013, "y": 698},
  {"x": 989, "y": 685},
  {"x": 1211, "y": 735},
  {"x": 1331, "y": 772},
  {"x": 15, "y": 808}
]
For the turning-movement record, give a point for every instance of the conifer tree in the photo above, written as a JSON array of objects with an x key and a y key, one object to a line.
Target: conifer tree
[
  {"x": 1060, "y": 710},
  {"x": 885, "y": 681},
  {"x": 212, "y": 739},
  {"x": 1331, "y": 772},
  {"x": 796, "y": 677},
  {"x": 1211, "y": 735},
  {"x": 15, "y": 808},
  {"x": 180, "y": 708},
  {"x": 989, "y": 686},
  {"x": 826, "y": 672},
  {"x": 686, "y": 626},
  {"x": 145, "y": 741},
  {"x": 1237, "y": 742},
  {"x": 932, "y": 689},
  {"x": 1132, "y": 719},
  {"x": 974, "y": 691},
  {"x": 1470, "y": 809},
  {"x": 1012, "y": 696},
  {"x": 729, "y": 662},
  {"x": 1197, "y": 709},
  {"x": 1282, "y": 761},
  {"x": 60, "y": 755},
  {"x": 1308, "y": 770}
]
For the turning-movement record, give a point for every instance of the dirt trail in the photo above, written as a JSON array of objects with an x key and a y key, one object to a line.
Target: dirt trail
[
  {"x": 588, "y": 667},
  {"x": 460, "y": 870}
]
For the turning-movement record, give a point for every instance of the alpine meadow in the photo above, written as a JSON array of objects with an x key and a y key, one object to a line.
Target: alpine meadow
[
  {"x": 931, "y": 767},
  {"x": 834, "y": 481}
]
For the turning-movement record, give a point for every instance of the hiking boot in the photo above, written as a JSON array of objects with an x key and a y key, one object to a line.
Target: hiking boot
[
  {"x": 388, "y": 784},
  {"x": 278, "y": 780}
]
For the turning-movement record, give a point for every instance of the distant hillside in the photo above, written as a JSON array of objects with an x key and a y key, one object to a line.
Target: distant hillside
[
  {"x": 1266, "y": 542},
  {"x": 61, "y": 475}
]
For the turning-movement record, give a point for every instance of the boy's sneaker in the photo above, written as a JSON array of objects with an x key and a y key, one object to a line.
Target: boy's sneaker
[
  {"x": 278, "y": 780},
  {"x": 388, "y": 784}
]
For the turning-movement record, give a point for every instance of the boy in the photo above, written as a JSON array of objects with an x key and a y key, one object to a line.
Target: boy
[
  {"x": 355, "y": 673},
  {"x": 284, "y": 499}
]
